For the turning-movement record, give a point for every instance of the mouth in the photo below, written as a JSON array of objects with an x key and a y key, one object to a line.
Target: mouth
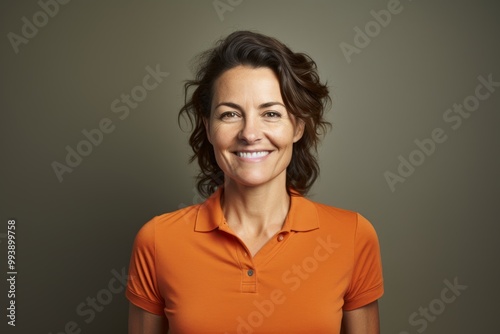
[{"x": 252, "y": 154}]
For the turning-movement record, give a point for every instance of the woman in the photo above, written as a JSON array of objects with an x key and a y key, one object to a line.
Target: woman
[{"x": 256, "y": 256}]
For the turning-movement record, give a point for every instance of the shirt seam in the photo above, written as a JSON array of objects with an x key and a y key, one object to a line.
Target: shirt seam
[
  {"x": 351, "y": 283},
  {"x": 147, "y": 301},
  {"x": 360, "y": 295},
  {"x": 154, "y": 260}
]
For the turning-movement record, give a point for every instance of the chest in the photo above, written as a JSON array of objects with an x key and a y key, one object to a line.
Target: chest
[{"x": 293, "y": 284}]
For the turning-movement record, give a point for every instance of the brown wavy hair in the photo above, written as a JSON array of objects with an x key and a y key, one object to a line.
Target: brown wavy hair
[{"x": 304, "y": 96}]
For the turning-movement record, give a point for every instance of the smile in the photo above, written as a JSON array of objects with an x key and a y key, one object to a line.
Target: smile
[{"x": 259, "y": 154}]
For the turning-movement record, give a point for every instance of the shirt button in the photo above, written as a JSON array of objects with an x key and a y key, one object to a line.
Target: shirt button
[
  {"x": 280, "y": 237},
  {"x": 250, "y": 272}
]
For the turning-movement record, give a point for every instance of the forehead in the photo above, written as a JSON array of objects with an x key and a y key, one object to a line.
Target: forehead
[{"x": 243, "y": 82}]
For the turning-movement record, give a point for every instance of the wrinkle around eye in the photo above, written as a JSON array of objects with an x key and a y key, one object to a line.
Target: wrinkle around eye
[
  {"x": 275, "y": 114},
  {"x": 228, "y": 115}
]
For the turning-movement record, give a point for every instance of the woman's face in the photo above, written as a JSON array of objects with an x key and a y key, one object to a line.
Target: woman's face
[{"x": 249, "y": 127}]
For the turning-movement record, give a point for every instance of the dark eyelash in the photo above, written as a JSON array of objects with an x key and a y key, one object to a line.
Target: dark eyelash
[
  {"x": 276, "y": 114},
  {"x": 227, "y": 113}
]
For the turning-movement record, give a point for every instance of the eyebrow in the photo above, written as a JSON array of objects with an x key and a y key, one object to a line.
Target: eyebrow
[{"x": 237, "y": 106}]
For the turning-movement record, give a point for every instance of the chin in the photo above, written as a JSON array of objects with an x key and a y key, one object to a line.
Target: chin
[{"x": 252, "y": 180}]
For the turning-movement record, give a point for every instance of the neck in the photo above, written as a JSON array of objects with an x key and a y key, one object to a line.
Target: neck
[{"x": 255, "y": 211}]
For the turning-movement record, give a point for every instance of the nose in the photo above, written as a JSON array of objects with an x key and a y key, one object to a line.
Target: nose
[{"x": 251, "y": 131}]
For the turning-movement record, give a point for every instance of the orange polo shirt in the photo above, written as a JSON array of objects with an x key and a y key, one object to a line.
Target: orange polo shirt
[{"x": 189, "y": 266}]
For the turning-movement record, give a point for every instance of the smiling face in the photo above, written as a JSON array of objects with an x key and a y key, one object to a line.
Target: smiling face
[{"x": 249, "y": 127}]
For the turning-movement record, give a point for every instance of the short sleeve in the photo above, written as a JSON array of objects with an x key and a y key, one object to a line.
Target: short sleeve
[
  {"x": 367, "y": 284},
  {"x": 142, "y": 286}
]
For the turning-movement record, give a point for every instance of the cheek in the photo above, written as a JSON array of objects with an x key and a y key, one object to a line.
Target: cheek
[
  {"x": 220, "y": 137},
  {"x": 284, "y": 137}
]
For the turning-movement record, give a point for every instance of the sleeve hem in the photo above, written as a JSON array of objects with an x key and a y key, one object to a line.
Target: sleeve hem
[
  {"x": 365, "y": 299},
  {"x": 144, "y": 303}
]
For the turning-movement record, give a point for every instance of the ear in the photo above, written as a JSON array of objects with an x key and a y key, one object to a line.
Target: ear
[
  {"x": 299, "y": 130},
  {"x": 207, "y": 129}
]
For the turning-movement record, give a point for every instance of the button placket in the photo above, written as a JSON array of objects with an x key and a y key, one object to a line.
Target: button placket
[
  {"x": 247, "y": 269},
  {"x": 248, "y": 280}
]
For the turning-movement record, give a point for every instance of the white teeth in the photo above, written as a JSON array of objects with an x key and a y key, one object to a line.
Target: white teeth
[{"x": 252, "y": 154}]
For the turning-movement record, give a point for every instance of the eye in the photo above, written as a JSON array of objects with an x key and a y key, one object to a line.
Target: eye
[
  {"x": 228, "y": 115},
  {"x": 272, "y": 114}
]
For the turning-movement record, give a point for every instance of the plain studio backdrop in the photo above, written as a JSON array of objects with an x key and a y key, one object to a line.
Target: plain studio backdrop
[{"x": 91, "y": 148}]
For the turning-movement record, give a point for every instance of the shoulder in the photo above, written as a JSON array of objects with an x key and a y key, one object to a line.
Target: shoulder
[
  {"x": 181, "y": 218},
  {"x": 184, "y": 215},
  {"x": 324, "y": 212},
  {"x": 335, "y": 213},
  {"x": 349, "y": 221}
]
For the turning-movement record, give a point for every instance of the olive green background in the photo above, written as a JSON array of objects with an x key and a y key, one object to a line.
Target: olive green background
[{"x": 440, "y": 224}]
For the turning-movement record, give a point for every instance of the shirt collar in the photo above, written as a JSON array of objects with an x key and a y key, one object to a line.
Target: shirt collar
[{"x": 302, "y": 216}]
